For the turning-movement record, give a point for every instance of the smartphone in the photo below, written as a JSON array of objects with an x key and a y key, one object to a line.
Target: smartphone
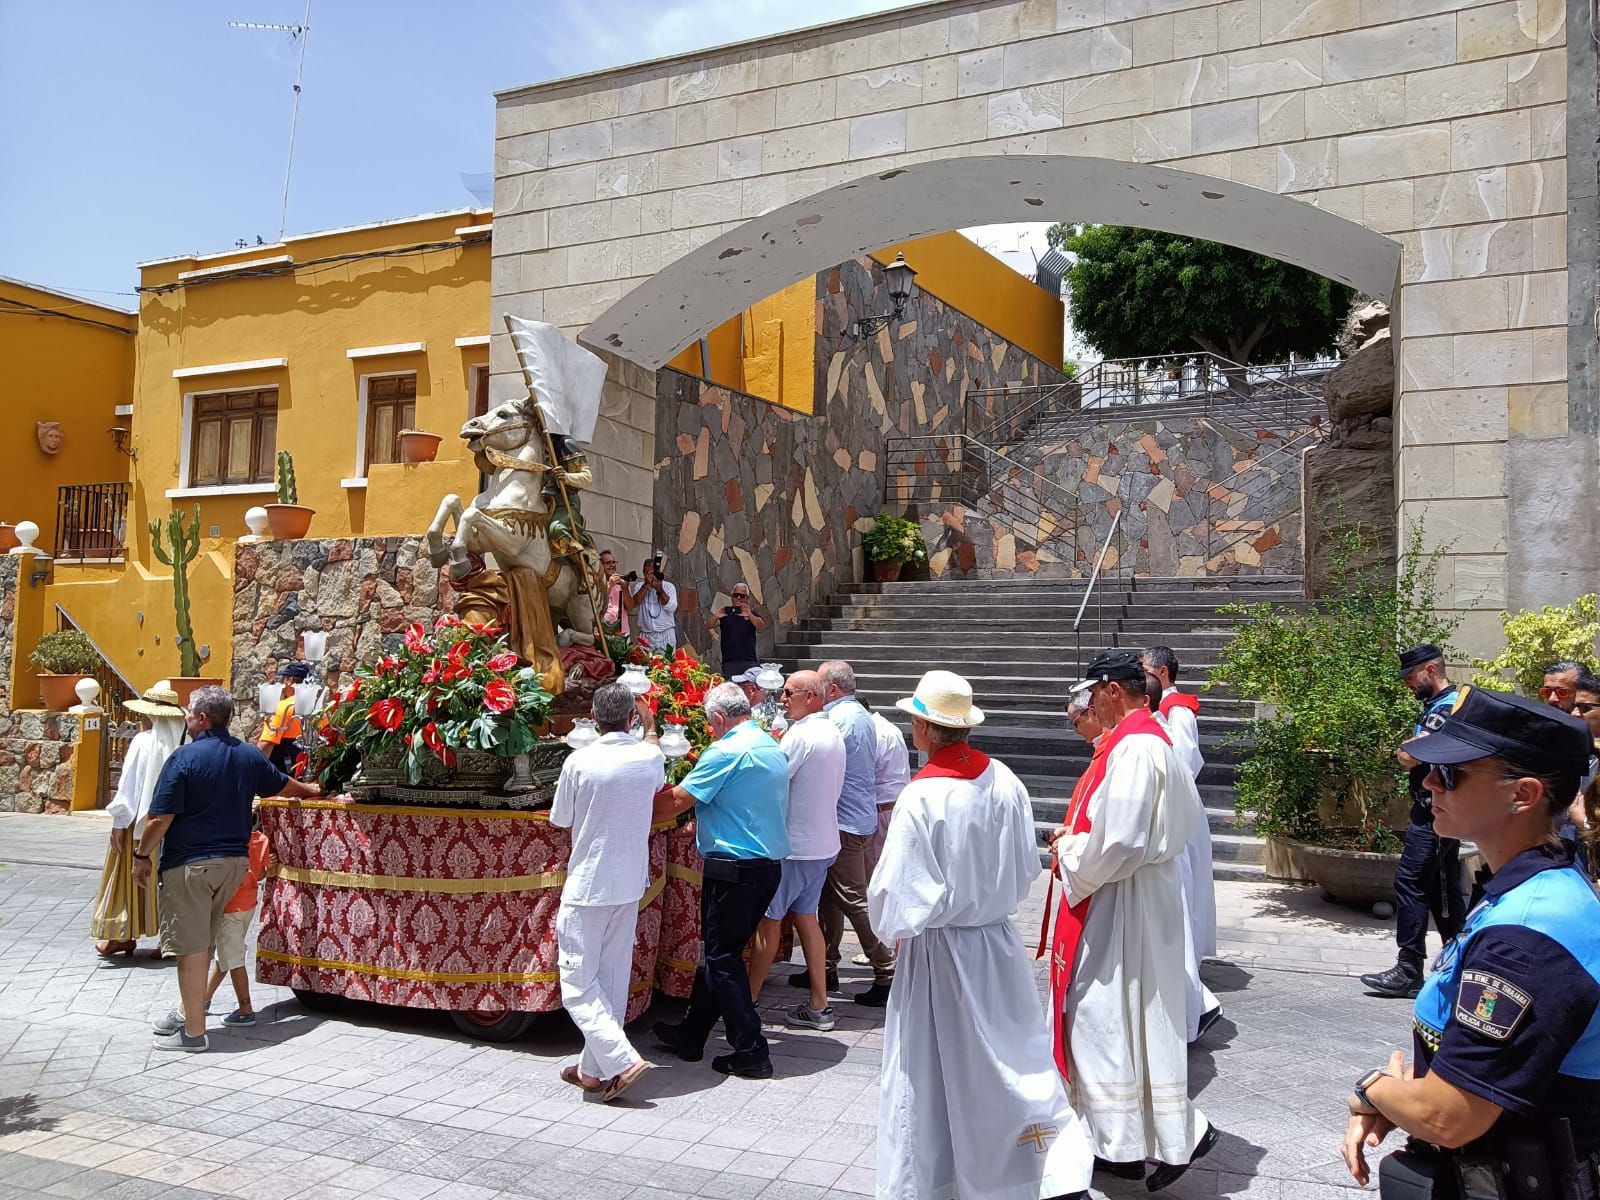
[{"x": 730, "y": 610}]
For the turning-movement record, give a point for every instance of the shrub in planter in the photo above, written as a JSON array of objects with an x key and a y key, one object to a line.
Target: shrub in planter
[
  {"x": 891, "y": 543},
  {"x": 62, "y": 659},
  {"x": 1320, "y": 766},
  {"x": 1534, "y": 640}
]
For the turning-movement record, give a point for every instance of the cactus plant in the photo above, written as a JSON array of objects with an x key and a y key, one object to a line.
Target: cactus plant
[
  {"x": 185, "y": 544},
  {"x": 287, "y": 492}
]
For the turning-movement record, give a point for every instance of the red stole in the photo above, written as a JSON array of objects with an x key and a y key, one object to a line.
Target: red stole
[
  {"x": 958, "y": 761},
  {"x": 1174, "y": 700},
  {"x": 1070, "y": 918}
]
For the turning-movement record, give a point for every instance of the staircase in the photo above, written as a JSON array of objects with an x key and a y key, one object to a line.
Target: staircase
[{"x": 1012, "y": 638}]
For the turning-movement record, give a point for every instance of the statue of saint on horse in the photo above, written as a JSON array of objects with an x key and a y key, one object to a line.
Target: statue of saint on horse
[{"x": 520, "y": 555}]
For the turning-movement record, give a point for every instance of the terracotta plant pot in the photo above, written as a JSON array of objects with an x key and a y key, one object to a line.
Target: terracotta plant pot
[
  {"x": 418, "y": 446},
  {"x": 59, "y": 692},
  {"x": 288, "y": 521},
  {"x": 886, "y": 572},
  {"x": 8, "y": 537},
  {"x": 187, "y": 685}
]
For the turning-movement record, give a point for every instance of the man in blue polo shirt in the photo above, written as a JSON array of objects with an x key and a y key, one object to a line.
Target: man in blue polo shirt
[
  {"x": 200, "y": 817},
  {"x": 740, "y": 793}
]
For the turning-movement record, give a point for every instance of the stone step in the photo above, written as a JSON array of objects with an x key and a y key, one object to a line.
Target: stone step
[
  {"x": 885, "y": 682},
  {"x": 1232, "y": 859}
]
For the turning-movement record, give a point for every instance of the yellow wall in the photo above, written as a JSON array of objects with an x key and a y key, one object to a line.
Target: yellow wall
[
  {"x": 969, "y": 278},
  {"x": 311, "y": 315},
  {"x": 68, "y": 368},
  {"x": 770, "y": 349}
]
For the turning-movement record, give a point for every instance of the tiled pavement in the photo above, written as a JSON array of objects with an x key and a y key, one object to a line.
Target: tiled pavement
[{"x": 395, "y": 1105}]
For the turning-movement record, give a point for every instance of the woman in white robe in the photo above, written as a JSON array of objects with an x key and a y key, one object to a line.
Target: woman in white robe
[
  {"x": 1126, "y": 1000},
  {"x": 125, "y": 911},
  {"x": 970, "y": 1102}
]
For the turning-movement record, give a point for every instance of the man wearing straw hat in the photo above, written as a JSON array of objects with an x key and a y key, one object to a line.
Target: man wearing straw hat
[
  {"x": 964, "y": 1022},
  {"x": 125, "y": 911}
]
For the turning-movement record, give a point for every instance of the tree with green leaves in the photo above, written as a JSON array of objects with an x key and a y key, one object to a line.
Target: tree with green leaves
[{"x": 1140, "y": 293}]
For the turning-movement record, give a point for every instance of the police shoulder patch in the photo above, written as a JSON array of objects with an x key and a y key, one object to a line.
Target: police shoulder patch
[{"x": 1490, "y": 1005}]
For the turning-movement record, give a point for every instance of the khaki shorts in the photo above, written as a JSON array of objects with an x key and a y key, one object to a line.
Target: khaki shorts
[
  {"x": 230, "y": 939},
  {"x": 192, "y": 899}
]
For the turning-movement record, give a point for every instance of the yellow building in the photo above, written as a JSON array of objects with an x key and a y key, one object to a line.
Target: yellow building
[
  {"x": 770, "y": 350},
  {"x": 68, "y": 361},
  {"x": 325, "y": 345}
]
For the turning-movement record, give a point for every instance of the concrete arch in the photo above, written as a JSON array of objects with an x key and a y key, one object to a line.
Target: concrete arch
[{"x": 704, "y": 287}]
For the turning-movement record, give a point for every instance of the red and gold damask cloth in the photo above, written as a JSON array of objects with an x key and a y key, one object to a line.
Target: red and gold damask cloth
[
  {"x": 679, "y": 951},
  {"x": 1070, "y": 918},
  {"x": 440, "y": 908}
]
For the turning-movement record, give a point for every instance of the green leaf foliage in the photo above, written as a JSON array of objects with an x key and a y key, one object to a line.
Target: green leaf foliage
[
  {"x": 1319, "y": 763},
  {"x": 895, "y": 540},
  {"x": 1537, "y": 638},
  {"x": 1139, "y": 293},
  {"x": 65, "y": 652}
]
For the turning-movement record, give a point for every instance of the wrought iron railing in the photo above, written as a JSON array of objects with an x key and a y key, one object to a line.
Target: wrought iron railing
[
  {"x": 91, "y": 521},
  {"x": 119, "y": 725}
]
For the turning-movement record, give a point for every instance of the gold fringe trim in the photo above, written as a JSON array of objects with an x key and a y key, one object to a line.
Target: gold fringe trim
[
  {"x": 405, "y": 883},
  {"x": 328, "y": 964},
  {"x": 420, "y": 810},
  {"x": 678, "y": 964}
]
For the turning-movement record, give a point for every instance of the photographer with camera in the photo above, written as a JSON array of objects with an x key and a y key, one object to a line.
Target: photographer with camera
[
  {"x": 656, "y": 603},
  {"x": 737, "y": 624},
  {"x": 1502, "y": 1098}
]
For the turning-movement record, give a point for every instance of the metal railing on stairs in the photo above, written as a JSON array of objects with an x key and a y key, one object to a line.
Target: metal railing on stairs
[
  {"x": 1099, "y": 596},
  {"x": 119, "y": 725}
]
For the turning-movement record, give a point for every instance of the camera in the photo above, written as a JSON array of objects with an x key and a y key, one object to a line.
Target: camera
[{"x": 631, "y": 577}]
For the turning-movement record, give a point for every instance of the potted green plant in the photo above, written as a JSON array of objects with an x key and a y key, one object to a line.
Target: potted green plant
[
  {"x": 1318, "y": 776},
  {"x": 183, "y": 544},
  {"x": 1537, "y": 638},
  {"x": 288, "y": 519},
  {"x": 891, "y": 543},
  {"x": 62, "y": 659}
]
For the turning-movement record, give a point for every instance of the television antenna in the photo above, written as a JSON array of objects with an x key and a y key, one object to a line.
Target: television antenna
[{"x": 297, "y": 33}]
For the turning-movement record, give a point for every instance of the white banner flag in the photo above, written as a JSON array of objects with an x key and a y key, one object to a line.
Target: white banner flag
[{"x": 566, "y": 378}]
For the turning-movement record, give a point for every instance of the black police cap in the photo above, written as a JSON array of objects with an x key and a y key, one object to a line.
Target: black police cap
[
  {"x": 1111, "y": 665},
  {"x": 1523, "y": 732},
  {"x": 1413, "y": 658},
  {"x": 295, "y": 670}
]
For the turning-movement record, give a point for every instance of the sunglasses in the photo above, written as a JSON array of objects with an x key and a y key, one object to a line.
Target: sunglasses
[
  {"x": 1550, "y": 692},
  {"x": 1584, "y": 706},
  {"x": 1450, "y": 775}
]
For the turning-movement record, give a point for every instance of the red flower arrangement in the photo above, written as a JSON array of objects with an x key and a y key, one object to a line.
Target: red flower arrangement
[
  {"x": 454, "y": 687},
  {"x": 678, "y": 687}
]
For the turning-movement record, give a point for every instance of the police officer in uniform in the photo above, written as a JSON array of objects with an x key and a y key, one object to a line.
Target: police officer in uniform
[
  {"x": 1428, "y": 879},
  {"x": 1502, "y": 1100}
]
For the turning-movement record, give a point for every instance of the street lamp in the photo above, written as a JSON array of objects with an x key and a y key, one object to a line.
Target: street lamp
[{"x": 900, "y": 276}]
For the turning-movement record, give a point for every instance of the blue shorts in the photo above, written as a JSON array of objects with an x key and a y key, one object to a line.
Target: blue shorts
[{"x": 799, "y": 887}]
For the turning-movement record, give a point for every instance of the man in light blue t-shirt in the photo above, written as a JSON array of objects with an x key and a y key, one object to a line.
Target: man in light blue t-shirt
[{"x": 740, "y": 793}]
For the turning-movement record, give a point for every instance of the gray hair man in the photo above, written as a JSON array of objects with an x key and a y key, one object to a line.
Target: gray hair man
[
  {"x": 201, "y": 817},
  {"x": 740, "y": 793},
  {"x": 605, "y": 796},
  {"x": 844, "y": 895}
]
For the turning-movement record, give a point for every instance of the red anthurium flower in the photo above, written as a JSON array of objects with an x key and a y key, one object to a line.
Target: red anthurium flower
[
  {"x": 499, "y": 696},
  {"x": 388, "y": 665},
  {"x": 489, "y": 630},
  {"x": 446, "y": 621},
  {"x": 458, "y": 653},
  {"x": 502, "y": 663},
  {"x": 673, "y": 720},
  {"x": 386, "y": 714},
  {"x": 351, "y": 692},
  {"x": 435, "y": 669},
  {"x": 417, "y": 638}
]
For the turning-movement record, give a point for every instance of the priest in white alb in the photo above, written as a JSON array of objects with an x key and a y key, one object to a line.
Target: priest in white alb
[
  {"x": 1178, "y": 712},
  {"x": 1117, "y": 975},
  {"x": 970, "y": 1105}
]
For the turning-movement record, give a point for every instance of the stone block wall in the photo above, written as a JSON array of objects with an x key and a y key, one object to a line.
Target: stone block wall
[
  {"x": 36, "y": 748},
  {"x": 1198, "y": 495},
  {"x": 360, "y": 590},
  {"x": 747, "y": 490}
]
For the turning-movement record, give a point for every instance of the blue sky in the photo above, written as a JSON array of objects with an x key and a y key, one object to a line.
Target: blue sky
[{"x": 140, "y": 129}]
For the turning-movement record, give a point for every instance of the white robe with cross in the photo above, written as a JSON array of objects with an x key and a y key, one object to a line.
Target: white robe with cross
[
  {"x": 1125, "y": 1009},
  {"x": 971, "y": 1104}
]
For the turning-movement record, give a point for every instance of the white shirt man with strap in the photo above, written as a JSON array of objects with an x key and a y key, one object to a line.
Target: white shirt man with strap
[
  {"x": 655, "y": 600},
  {"x": 604, "y": 796}
]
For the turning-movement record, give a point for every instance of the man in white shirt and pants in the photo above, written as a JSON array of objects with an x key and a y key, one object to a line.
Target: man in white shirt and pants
[
  {"x": 604, "y": 797},
  {"x": 891, "y": 773},
  {"x": 656, "y": 603},
  {"x": 969, "y": 1103},
  {"x": 816, "y": 754}
]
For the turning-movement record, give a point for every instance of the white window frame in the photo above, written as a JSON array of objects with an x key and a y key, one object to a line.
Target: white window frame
[
  {"x": 185, "y": 489},
  {"x": 362, "y": 466}
]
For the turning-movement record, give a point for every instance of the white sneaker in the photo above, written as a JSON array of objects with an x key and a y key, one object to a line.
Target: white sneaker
[
  {"x": 820, "y": 1019},
  {"x": 179, "y": 1040}
]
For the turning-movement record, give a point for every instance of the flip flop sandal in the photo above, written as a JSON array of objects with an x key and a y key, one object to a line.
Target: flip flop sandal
[
  {"x": 571, "y": 1075},
  {"x": 623, "y": 1082}
]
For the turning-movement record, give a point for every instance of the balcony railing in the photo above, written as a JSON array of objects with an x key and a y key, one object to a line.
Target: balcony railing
[{"x": 91, "y": 522}]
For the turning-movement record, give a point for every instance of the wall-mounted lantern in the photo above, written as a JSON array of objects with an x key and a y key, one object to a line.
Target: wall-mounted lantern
[{"x": 900, "y": 276}]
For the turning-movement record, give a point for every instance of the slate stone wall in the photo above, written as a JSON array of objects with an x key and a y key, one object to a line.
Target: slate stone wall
[
  {"x": 746, "y": 490},
  {"x": 360, "y": 590},
  {"x": 36, "y": 747}
]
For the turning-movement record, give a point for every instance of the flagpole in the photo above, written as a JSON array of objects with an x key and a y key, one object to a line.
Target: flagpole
[{"x": 580, "y": 566}]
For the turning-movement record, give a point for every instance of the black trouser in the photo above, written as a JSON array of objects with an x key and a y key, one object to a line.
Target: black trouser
[
  {"x": 1428, "y": 880},
  {"x": 730, "y": 910}
]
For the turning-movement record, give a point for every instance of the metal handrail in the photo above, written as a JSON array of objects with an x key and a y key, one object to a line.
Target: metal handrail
[{"x": 1094, "y": 576}]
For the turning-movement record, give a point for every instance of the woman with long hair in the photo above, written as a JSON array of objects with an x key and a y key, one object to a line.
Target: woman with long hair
[{"x": 124, "y": 911}]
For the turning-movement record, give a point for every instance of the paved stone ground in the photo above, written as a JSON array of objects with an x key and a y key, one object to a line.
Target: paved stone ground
[{"x": 396, "y": 1105}]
